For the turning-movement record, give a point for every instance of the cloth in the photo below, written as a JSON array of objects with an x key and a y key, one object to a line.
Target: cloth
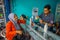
[
  {"x": 11, "y": 18},
  {"x": 10, "y": 30},
  {"x": 22, "y": 21},
  {"x": 11, "y": 27},
  {"x": 49, "y": 18}
]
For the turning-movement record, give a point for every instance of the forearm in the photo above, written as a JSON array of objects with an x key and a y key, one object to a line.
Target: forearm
[{"x": 49, "y": 24}]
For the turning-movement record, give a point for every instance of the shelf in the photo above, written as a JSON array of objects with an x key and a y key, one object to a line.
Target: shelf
[
  {"x": 1, "y": 5},
  {"x": 58, "y": 11},
  {"x": 58, "y": 8},
  {"x": 58, "y": 4},
  {"x": 1, "y": 1},
  {"x": 2, "y": 13},
  {"x": 2, "y": 19}
]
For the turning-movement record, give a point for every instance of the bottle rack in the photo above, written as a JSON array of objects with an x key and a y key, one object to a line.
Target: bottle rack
[
  {"x": 2, "y": 14},
  {"x": 57, "y": 14}
]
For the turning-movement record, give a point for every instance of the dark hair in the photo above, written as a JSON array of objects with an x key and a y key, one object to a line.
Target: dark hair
[
  {"x": 24, "y": 16},
  {"x": 48, "y": 7},
  {"x": 15, "y": 14}
]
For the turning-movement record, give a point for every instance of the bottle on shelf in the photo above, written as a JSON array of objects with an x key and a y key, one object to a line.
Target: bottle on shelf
[{"x": 45, "y": 29}]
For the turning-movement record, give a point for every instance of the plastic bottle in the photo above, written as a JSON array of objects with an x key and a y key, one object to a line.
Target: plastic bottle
[
  {"x": 45, "y": 30},
  {"x": 30, "y": 21}
]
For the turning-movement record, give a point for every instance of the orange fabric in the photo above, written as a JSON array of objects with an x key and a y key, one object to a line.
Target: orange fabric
[
  {"x": 10, "y": 30},
  {"x": 22, "y": 21}
]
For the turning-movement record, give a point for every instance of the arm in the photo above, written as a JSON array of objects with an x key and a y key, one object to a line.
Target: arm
[
  {"x": 51, "y": 20},
  {"x": 9, "y": 31},
  {"x": 43, "y": 22}
]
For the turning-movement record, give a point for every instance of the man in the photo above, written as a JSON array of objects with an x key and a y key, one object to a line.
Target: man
[{"x": 47, "y": 17}]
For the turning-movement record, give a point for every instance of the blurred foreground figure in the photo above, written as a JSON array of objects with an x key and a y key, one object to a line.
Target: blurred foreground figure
[{"x": 12, "y": 27}]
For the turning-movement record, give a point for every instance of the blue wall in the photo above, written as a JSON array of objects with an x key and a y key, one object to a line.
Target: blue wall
[
  {"x": 25, "y": 6},
  {"x": 58, "y": 1},
  {"x": 7, "y": 8}
]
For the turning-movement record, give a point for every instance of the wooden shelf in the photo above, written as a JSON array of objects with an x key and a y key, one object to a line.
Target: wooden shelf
[{"x": 2, "y": 13}]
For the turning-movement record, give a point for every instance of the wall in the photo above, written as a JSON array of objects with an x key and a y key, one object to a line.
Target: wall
[
  {"x": 25, "y": 6},
  {"x": 58, "y": 1},
  {"x": 7, "y": 8}
]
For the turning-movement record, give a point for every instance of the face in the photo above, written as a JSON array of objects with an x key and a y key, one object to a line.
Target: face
[
  {"x": 15, "y": 17},
  {"x": 46, "y": 11},
  {"x": 21, "y": 18}
]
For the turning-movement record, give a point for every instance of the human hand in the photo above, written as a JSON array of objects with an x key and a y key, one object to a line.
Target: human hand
[
  {"x": 19, "y": 32},
  {"x": 41, "y": 21}
]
